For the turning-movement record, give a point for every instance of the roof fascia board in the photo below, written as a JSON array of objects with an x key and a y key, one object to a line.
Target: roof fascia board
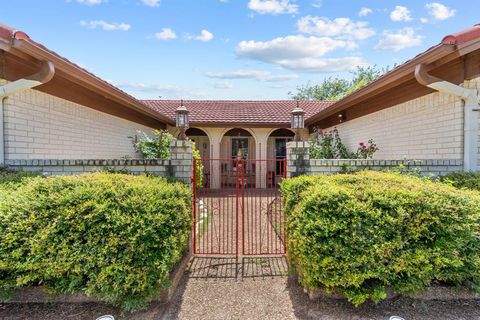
[
  {"x": 79, "y": 76},
  {"x": 385, "y": 82}
]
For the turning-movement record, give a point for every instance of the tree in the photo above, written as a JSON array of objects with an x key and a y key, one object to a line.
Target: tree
[{"x": 334, "y": 88}]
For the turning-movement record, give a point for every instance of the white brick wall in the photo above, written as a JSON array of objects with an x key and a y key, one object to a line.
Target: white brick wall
[
  {"x": 430, "y": 127},
  {"x": 42, "y": 126},
  {"x": 475, "y": 84}
]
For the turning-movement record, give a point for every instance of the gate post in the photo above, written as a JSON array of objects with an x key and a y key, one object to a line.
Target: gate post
[
  {"x": 181, "y": 160},
  {"x": 298, "y": 158}
]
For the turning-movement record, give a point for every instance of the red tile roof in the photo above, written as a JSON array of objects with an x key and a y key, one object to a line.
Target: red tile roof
[
  {"x": 463, "y": 36},
  {"x": 238, "y": 112}
]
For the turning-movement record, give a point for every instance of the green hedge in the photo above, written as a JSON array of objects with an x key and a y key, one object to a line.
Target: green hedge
[
  {"x": 464, "y": 180},
  {"x": 115, "y": 237},
  {"x": 12, "y": 179},
  {"x": 364, "y": 234}
]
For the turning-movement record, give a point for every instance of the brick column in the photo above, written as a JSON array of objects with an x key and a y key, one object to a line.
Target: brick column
[
  {"x": 298, "y": 158},
  {"x": 181, "y": 161}
]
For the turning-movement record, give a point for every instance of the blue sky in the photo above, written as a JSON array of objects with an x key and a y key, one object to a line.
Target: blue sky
[{"x": 233, "y": 49}]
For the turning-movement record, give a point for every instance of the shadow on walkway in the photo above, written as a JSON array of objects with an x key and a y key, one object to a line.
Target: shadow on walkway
[
  {"x": 233, "y": 268},
  {"x": 259, "y": 288}
]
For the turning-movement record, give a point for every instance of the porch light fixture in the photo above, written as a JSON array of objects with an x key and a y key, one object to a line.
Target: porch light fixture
[
  {"x": 182, "y": 121},
  {"x": 298, "y": 121}
]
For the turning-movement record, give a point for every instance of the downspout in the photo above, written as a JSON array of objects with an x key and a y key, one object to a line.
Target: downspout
[
  {"x": 2, "y": 131},
  {"x": 43, "y": 76},
  {"x": 471, "y": 99}
]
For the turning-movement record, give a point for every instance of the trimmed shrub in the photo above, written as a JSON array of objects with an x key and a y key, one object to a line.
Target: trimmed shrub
[
  {"x": 114, "y": 237},
  {"x": 364, "y": 234},
  {"x": 10, "y": 179},
  {"x": 464, "y": 180}
]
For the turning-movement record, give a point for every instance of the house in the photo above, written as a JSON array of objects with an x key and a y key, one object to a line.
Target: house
[{"x": 54, "y": 109}]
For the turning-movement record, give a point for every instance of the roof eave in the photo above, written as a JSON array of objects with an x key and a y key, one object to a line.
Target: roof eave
[
  {"x": 407, "y": 69},
  {"x": 23, "y": 47}
]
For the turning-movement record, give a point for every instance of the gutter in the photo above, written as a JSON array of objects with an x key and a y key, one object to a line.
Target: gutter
[
  {"x": 385, "y": 82},
  {"x": 45, "y": 74},
  {"x": 451, "y": 47},
  {"x": 471, "y": 99},
  {"x": 23, "y": 44}
]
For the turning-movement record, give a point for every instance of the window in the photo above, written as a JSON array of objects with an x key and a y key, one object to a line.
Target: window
[{"x": 240, "y": 148}]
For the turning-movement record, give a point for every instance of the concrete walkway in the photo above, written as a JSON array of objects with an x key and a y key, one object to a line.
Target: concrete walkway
[
  {"x": 222, "y": 288},
  {"x": 259, "y": 288}
]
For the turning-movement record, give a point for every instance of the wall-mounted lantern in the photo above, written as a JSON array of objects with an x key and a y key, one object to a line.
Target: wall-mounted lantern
[
  {"x": 298, "y": 121},
  {"x": 182, "y": 121},
  {"x": 342, "y": 117}
]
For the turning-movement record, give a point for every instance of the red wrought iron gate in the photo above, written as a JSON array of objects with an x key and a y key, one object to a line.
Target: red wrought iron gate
[{"x": 237, "y": 207}]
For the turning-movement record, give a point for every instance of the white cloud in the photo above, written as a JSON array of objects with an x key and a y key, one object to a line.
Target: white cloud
[
  {"x": 323, "y": 65},
  {"x": 272, "y": 6},
  {"x": 152, "y": 3},
  {"x": 317, "y": 3},
  {"x": 105, "y": 25},
  {"x": 252, "y": 74},
  {"x": 91, "y": 2},
  {"x": 300, "y": 53},
  {"x": 290, "y": 47},
  {"x": 400, "y": 13},
  {"x": 423, "y": 20},
  {"x": 204, "y": 36},
  {"x": 339, "y": 27},
  {"x": 439, "y": 11},
  {"x": 166, "y": 91},
  {"x": 165, "y": 34},
  {"x": 364, "y": 12},
  {"x": 223, "y": 85},
  {"x": 404, "y": 38}
]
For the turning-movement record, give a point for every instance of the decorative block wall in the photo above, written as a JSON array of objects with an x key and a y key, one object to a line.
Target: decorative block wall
[
  {"x": 299, "y": 162},
  {"x": 178, "y": 166}
]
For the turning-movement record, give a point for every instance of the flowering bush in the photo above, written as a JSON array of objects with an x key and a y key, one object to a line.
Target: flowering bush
[
  {"x": 366, "y": 151},
  {"x": 328, "y": 145},
  {"x": 156, "y": 147}
]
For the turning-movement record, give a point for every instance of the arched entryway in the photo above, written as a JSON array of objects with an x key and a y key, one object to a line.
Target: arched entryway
[
  {"x": 277, "y": 152},
  {"x": 237, "y": 144},
  {"x": 202, "y": 143},
  {"x": 201, "y": 140}
]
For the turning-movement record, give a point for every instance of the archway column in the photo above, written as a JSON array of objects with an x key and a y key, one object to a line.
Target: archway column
[
  {"x": 261, "y": 147},
  {"x": 215, "y": 135}
]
